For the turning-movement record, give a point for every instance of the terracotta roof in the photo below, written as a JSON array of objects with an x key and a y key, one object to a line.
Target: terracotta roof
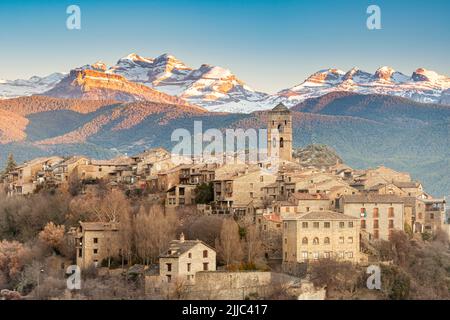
[
  {"x": 272, "y": 217},
  {"x": 370, "y": 198},
  {"x": 406, "y": 184},
  {"x": 309, "y": 196},
  {"x": 320, "y": 215}
]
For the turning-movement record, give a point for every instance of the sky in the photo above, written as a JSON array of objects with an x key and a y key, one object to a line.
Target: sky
[{"x": 270, "y": 45}]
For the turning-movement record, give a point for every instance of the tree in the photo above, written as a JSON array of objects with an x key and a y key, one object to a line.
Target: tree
[
  {"x": 204, "y": 193},
  {"x": 13, "y": 257},
  {"x": 229, "y": 244},
  {"x": 153, "y": 232},
  {"x": 10, "y": 164},
  {"x": 53, "y": 236},
  {"x": 254, "y": 249}
]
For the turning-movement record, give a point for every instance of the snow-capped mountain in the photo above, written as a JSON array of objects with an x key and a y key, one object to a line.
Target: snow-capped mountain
[
  {"x": 218, "y": 89},
  {"x": 423, "y": 85},
  {"x": 34, "y": 85},
  {"x": 214, "y": 88}
]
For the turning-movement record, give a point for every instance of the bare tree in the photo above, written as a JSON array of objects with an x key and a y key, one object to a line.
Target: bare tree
[
  {"x": 254, "y": 249},
  {"x": 153, "y": 231},
  {"x": 229, "y": 244}
]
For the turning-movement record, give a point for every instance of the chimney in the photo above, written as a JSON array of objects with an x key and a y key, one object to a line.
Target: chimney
[{"x": 182, "y": 237}]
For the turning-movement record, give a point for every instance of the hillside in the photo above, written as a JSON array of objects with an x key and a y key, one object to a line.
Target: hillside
[{"x": 365, "y": 131}]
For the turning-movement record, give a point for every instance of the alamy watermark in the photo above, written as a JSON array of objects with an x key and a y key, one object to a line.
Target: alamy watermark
[
  {"x": 74, "y": 280},
  {"x": 73, "y": 21},
  {"x": 229, "y": 146},
  {"x": 374, "y": 20},
  {"x": 374, "y": 280}
]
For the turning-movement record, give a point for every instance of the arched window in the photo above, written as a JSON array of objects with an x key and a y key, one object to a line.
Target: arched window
[
  {"x": 280, "y": 128},
  {"x": 316, "y": 241},
  {"x": 326, "y": 240},
  {"x": 281, "y": 142},
  {"x": 305, "y": 240}
]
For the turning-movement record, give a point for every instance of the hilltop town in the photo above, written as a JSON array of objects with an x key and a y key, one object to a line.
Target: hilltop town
[{"x": 218, "y": 231}]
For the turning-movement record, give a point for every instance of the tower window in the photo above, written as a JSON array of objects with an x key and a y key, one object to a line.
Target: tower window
[
  {"x": 281, "y": 142},
  {"x": 280, "y": 128}
]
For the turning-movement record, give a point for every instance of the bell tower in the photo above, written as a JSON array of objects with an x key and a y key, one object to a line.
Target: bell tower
[{"x": 280, "y": 119}]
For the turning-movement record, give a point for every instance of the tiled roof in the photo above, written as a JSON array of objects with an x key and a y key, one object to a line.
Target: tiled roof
[
  {"x": 99, "y": 226},
  {"x": 406, "y": 184},
  {"x": 178, "y": 247},
  {"x": 369, "y": 198},
  {"x": 320, "y": 215},
  {"x": 309, "y": 196}
]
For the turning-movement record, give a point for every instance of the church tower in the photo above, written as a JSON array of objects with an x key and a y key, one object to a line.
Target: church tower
[{"x": 280, "y": 118}]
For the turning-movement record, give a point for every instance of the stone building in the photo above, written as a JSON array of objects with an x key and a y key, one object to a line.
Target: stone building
[
  {"x": 318, "y": 235},
  {"x": 180, "y": 196},
  {"x": 379, "y": 214},
  {"x": 96, "y": 241},
  {"x": 184, "y": 258},
  {"x": 280, "y": 119}
]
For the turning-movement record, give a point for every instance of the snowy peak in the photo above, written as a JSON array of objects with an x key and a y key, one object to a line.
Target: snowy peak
[
  {"x": 423, "y": 74},
  {"x": 34, "y": 85},
  {"x": 329, "y": 76}
]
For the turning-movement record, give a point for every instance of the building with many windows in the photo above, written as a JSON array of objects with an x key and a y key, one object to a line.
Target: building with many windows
[
  {"x": 320, "y": 235},
  {"x": 379, "y": 214}
]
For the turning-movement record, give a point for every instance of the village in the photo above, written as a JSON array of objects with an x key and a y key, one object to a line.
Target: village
[{"x": 301, "y": 214}]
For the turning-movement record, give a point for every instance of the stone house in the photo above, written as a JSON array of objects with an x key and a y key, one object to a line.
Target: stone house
[
  {"x": 184, "y": 258},
  {"x": 96, "y": 241},
  {"x": 179, "y": 196},
  {"x": 318, "y": 235},
  {"x": 379, "y": 214}
]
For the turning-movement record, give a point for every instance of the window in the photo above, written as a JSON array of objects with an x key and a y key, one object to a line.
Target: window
[
  {"x": 327, "y": 255},
  {"x": 420, "y": 215},
  {"x": 305, "y": 240},
  {"x": 205, "y": 266},
  {"x": 431, "y": 216},
  {"x": 251, "y": 194},
  {"x": 189, "y": 267},
  {"x": 189, "y": 255},
  {"x": 375, "y": 224},
  {"x": 376, "y": 234},
  {"x": 305, "y": 254},
  {"x": 80, "y": 253},
  {"x": 391, "y": 224},
  {"x": 341, "y": 254},
  {"x": 281, "y": 142},
  {"x": 205, "y": 253},
  {"x": 391, "y": 212},
  {"x": 315, "y": 224},
  {"x": 169, "y": 278},
  {"x": 350, "y": 239},
  {"x": 285, "y": 240},
  {"x": 251, "y": 185},
  {"x": 95, "y": 240},
  {"x": 363, "y": 224},
  {"x": 285, "y": 256},
  {"x": 350, "y": 254},
  {"x": 181, "y": 191},
  {"x": 304, "y": 225},
  {"x": 285, "y": 225},
  {"x": 100, "y": 169},
  {"x": 169, "y": 267},
  {"x": 326, "y": 225},
  {"x": 316, "y": 240},
  {"x": 265, "y": 227},
  {"x": 375, "y": 213},
  {"x": 307, "y": 209},
  {"x": 341, "y": 239},
  {"x": 341, "y": 224},
  {"x": 326, "y": 240},
  {"x": 363, "y": 212},
  {"x": 350, "y": 224},
  {"x": 316, "y": 255},
  {"x": 95, "y": 251}
]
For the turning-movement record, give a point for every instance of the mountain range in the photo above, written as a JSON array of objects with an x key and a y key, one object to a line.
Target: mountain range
[
  {"x": 215, "y": 88},
  {"x": 370, "y": 119}
]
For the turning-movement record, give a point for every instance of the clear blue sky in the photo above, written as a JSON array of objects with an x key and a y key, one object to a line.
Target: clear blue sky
[{"x": 270, "y": 45}]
